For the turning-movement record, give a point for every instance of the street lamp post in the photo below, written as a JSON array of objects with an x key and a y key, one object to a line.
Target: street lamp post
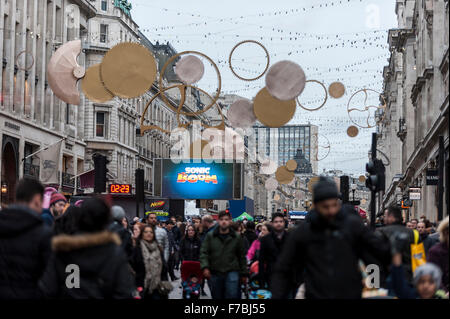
[{"x": 353, "y": 191}]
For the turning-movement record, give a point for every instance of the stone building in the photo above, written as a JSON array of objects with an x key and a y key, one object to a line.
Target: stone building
[
  {"x": 416, "y": 117},
  {"x": 31, "y": 117}
]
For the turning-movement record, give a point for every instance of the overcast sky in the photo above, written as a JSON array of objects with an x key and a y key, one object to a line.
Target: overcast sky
[{"x": 334, "y": 40}]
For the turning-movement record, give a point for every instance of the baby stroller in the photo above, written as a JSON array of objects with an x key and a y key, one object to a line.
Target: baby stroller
[
  {"x": 255, "y": 289},
  {"x": 191, "y": 276}
]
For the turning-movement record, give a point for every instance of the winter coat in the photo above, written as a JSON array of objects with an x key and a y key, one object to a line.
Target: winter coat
[
  {"x": 163, "y": 241},
  {"x": 269, "y": 252},
  {"x": 139, "y": 267},
  {"x": 328, "y": 253},
  {"x": 125, "y": 238},
  {"x": 250, "y": 237},
  {"x": 428, "y": 242},
  {"x": 438, "y": 255},
  {"x": 223, "y": 256},
  {"x": 99, "y": 262},
  {"x": 395, "y": 230},
  {"x": 205, "y": 233},
  {"x": 24, "y": 252},
  {"x": 190, "y": 249},
  {"x": 253, "y": 252},
  {"x": 47, "y": 217}
]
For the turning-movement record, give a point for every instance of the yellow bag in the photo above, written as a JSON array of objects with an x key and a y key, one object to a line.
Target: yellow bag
[{"x": 418, "y": 256}]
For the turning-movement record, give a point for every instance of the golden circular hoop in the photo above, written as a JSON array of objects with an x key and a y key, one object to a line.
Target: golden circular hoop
[
  {"x": 366, "y": 108},
  {"x": 231, "y": 65},
  {"x": 326, "y": 147},
  {"x": 182, "y": 88},
  {"x": 214, "y": 100},
  {"x": 24, "y": 68},
  {"x": 324, "y": 102}
]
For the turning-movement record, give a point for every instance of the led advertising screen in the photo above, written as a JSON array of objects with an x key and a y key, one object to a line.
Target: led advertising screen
[{"x": 196, "y": 180}]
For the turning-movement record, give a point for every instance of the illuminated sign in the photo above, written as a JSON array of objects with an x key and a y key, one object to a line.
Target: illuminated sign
[
  {"x": 120, "y": 188},
  {"x": 157, "y": 204},
  {"x": 197, "y": 174},
  {"x": 196, "y": 180}
]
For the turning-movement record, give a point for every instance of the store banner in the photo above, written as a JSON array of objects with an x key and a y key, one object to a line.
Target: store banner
[
  {"x": 432, "y": 177},
  {"x": 50, "y": 160}
]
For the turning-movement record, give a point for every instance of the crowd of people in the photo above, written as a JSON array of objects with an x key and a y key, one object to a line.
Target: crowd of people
[{"x": 90, "y": 249}]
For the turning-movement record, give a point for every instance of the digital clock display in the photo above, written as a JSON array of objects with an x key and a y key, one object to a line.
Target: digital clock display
[{"x": 120, "y": 189}]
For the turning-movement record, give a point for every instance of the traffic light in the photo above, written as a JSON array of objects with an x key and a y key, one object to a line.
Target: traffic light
[
  {"x": 285, "y": 212},
  {"x": 139, "y": 179},
  {"x": 376, "y": 179},
  {"x": 344, "y": 188},
  {"x": 100, "y": 171},
  {"x": 227, "y": 211}
]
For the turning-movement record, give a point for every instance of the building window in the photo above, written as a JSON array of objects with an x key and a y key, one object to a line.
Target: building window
[
  {"x": 103, "y": 33},
  {"x": 100, "y": 127},
  {"x": 104, "y": 5}
]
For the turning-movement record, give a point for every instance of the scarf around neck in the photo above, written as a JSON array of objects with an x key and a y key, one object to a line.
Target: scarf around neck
[{"x": 153, "y": 265}]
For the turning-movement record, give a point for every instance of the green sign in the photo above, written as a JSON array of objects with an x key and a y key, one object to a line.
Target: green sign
[{"x": 124, "y": 5}]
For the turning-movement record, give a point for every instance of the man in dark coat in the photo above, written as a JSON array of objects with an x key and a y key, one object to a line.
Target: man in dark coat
[
  {"x": 24, "y": 243},
  {"x": 271, "y": 246},
  {"x": 249, "y": 234},
  {"x": 395, "y": 231},
  {"x": 327, "y": 247}
]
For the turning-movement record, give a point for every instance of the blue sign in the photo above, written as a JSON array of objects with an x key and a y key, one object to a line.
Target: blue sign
[
  {"x": 197, "y": 180},
  {"x": 298, "y": 214}
]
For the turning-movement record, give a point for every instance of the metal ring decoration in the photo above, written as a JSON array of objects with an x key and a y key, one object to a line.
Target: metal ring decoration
[
  {"x": 24, "y": 68},
  {"x": 214, "y": 100},
  {"x": 366, "y": 108},
  {"x": 145, "y": 128},
  {"x": 324, "y": 102},
  {"x": 316, "y": 136},
  {"x": 182, "y": 88},
  {"x": 231, "y": 65}
]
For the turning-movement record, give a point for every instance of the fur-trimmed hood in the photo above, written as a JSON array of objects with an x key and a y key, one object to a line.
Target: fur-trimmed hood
[{"x": 64, "y": 243}]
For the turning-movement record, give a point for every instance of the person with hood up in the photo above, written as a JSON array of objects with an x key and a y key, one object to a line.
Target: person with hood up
[
  {"x": 118, "y": 214},
  {"x": 90, "y": 264},
  {"x": 24, "y": 243},
  {"x": 326, "y": 249}
]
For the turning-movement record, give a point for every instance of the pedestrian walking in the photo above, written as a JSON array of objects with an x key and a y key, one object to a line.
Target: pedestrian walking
[
  {"x": 190, "y": 245},
  {"x": 56, "y": 208},
  {"x": 254, "y": 251},
  {"x": 222, "y": 259},
  {"x": 426, "y": 281},
  {"x": 150, "y": 267},
  {"x": 327, "y": 248},
  {"x": 271, "y": 247},
  {"x": 91, "y": 263},
  {"x": 393, "y": 230},
  {"x": 173, "y": 249},
  {"x": 208, "y": 225},
  {"x": 118, "y": 214},
  {"x": 160, "y": 234},
  {"x": 438, "y": 254},
  {"x": 24, "y": 243},
  {"x": 425, "y": 237}
]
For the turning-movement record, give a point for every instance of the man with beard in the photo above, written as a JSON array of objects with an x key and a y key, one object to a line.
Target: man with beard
[
  {"x": 222, "y": 259},
  {"x": 327, "y": 248},
  {"x": 57, "y": 204}
]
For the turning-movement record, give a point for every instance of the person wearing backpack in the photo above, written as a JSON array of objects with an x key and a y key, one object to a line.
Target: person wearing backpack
[{"x": 91, "y": 263}]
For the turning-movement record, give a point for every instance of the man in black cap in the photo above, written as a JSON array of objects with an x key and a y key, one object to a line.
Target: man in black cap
[{"x": 327, "y": 248}]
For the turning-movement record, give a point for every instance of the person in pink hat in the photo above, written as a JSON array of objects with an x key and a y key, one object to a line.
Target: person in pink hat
[{"x": 56, "y": 208}]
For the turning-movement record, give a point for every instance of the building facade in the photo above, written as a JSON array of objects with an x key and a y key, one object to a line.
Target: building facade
[
  {"x": 31, "y": 116},
  {"x": 282, "y": 144},
  {"x": 414, "y": 131}
]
